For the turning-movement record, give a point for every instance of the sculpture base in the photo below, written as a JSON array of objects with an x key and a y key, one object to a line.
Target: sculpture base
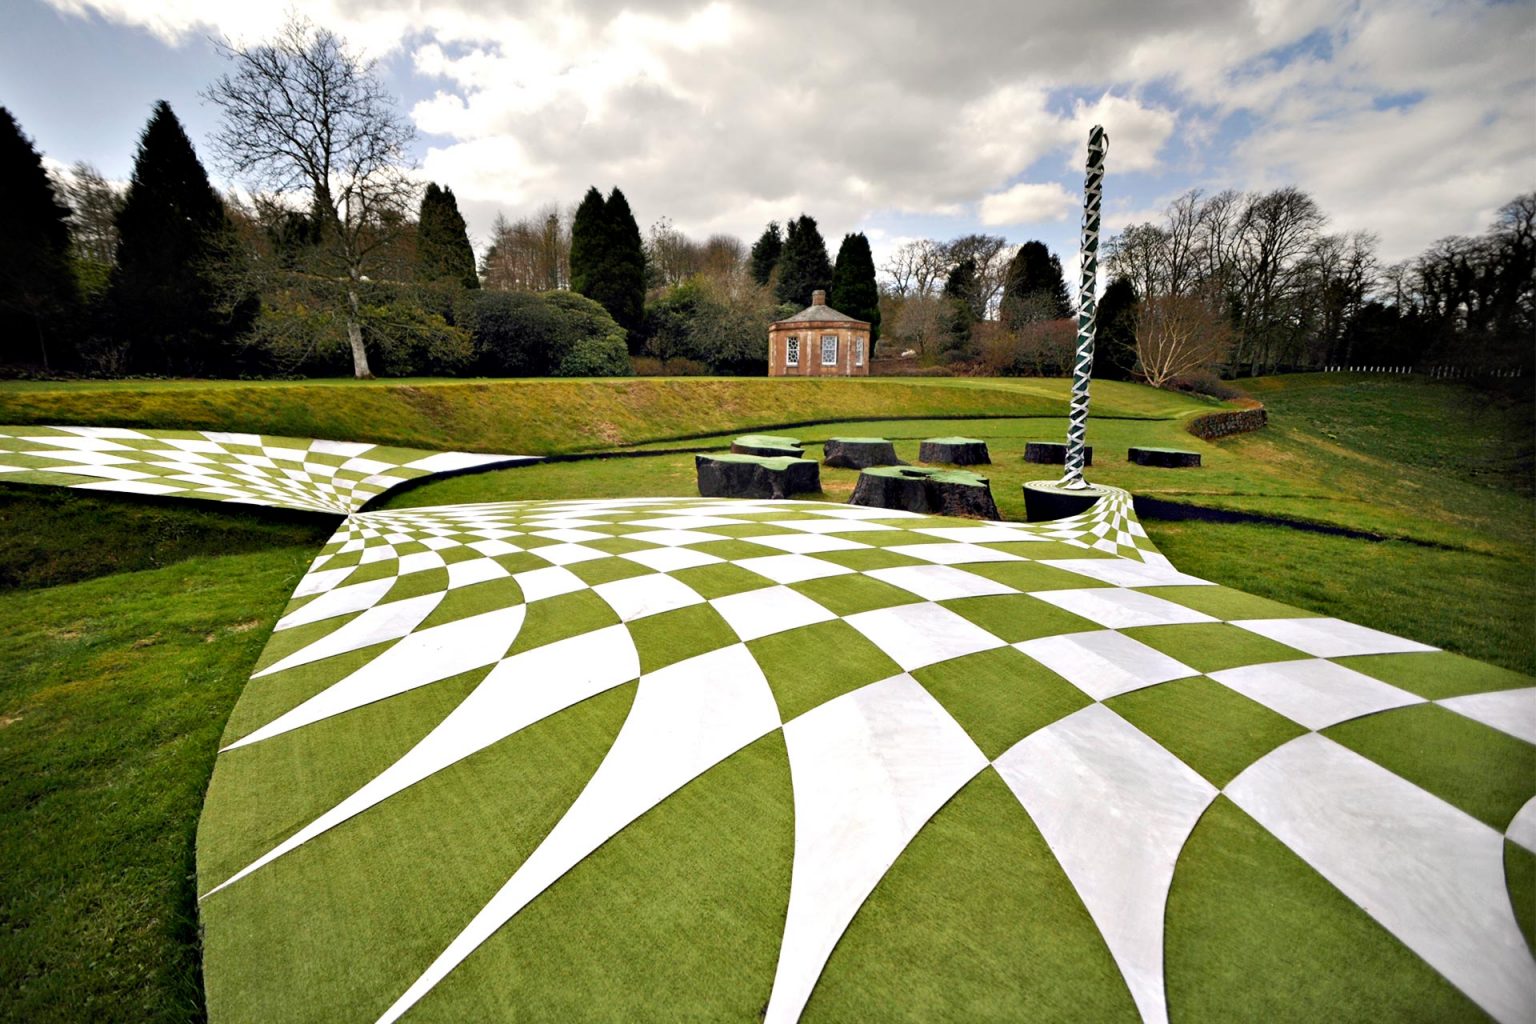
[{"x": 1045, "y": 500}]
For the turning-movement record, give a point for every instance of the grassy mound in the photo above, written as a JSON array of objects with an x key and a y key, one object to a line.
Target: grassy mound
[{"x": 540, "y": 417}]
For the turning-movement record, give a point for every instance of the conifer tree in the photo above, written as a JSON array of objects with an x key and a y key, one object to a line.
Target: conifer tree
[
  {"x": 443, "y": 252},
  {"x": 803, "y": 265},
  {"x": 958, "y": 317},
  {"x": 175, "y": 298},
  {"x": 38, "y": 296},
  {"x": 853, "y": 283},
  {"x": 608, "y": 258},
  {"x": 589, "y": 241},
  {"x": 765, "y": 253},
  {"x": 1034, "y": 287},
  {"x": 1115, "y": 346},
  {"x": 625, "y": 291}
]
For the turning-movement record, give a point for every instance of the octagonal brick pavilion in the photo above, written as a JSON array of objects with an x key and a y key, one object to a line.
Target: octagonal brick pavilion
[{"x": 819, "y": 341}]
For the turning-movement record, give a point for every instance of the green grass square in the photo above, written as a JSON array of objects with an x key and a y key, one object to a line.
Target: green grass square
[
  {"x": 720, "y": 580},
  {"x": 379, "y": 570},
  {"x": 1000, "y": 696},
  {"x": 617, "y": 545},
  {"x": 520, "y": 561},
  {"x": 1228, "y": 604},
  {"x": 1044, "y": 549},
  {"x": 1213, "y": 646},
  {"x": 811, "y": 665},
  {"x": 1216, "y": 731},
  {"x": 474, "y": 600},
  {"x": 864, "y": 559},
  {"x": 898, "y": 538},
  {"x": 1437, "y": 674},
  {"x": 846, "y": 595},
  {"x": 734, "y": 550},
  {"x": 414, "y": 584},
  {"x": 606, "y": 570},
  {"x": 768, "y": 529},
  {"x": 557, "y": 618},
  {"x": 1487, "y": 773},
  {"x": 675, "y": 636},
  {"x": 1015, "y": 617},
  {"x": 1027, "y": 577},
  {"x": 459, "y": 554}
]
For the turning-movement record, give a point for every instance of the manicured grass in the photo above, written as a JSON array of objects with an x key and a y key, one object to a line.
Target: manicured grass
[
  {"x": 112, "y": 699},
  {"x": 1471, "y": 603},
  {"x": 539, "y": 417},
  {"x": 54, "y": 535},
  {"x": 1255, "y": 934},
  {"x": 115, "y": 691}
]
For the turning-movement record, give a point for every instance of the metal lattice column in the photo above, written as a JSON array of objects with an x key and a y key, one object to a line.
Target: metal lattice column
[{"x": 1087, "y": 308}]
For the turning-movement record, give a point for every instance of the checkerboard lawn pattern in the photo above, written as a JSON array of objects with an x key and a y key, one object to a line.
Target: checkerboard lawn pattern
[
  {"x": 253, "y": 469},
  {"x": 699, "y": 759}
]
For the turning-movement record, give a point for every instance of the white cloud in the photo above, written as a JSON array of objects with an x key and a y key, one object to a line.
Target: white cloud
[
  {"x": 723, "y": 114},
  {"x": 1026, "y": 203}
]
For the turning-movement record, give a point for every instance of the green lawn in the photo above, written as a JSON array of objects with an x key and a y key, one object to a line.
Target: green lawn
[{"x": 128, "y": 630}]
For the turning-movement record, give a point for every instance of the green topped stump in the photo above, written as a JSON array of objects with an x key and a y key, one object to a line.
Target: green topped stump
[
  {"x": 755, "y": 476},
  {"x": 956, "y": 451},
  {"x": 860, "y": 452},
  {"x": 1045, "y": 500},
  {"x": 1053, "y": 453},
  {"x": 1166, "y": 458},
  {"x": 943, "y": 492},
  {"x": 768, "y": 446}
]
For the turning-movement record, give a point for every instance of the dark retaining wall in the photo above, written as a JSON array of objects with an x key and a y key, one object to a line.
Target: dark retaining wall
[{"x": 1228, "y": 422}]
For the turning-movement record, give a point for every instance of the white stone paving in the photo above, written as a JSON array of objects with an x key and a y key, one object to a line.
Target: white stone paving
[
  {"x": 1121, "y": 609},
  {"x": 686, "y": 718},
  {"x": 1103, "y": 663},
  {"x": 1330, "y": 638},
  {"x": 1313, "y": 692},
  {"x": 423, "y": 657},
  {"x": 1429, "y": 873},
  {"x": 914, "y": 635},
  {"x": 869, "y": 769},
  {"x": 1116, "y": 809},
  {"x": 1509, "y": 711}
]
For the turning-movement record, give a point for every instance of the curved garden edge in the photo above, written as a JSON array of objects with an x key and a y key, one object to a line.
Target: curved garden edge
[{"x": 1212, "y": 425}]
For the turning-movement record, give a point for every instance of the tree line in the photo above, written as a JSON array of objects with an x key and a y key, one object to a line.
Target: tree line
[{"x": 1251, "y": 283}]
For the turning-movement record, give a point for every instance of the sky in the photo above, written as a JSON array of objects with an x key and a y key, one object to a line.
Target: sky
[{"x": 902, "y": 119}]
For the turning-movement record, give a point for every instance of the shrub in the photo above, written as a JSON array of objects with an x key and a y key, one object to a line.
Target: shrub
[
  {"x": 302, "y": 331},
  {"x": 520, "y": 334}
]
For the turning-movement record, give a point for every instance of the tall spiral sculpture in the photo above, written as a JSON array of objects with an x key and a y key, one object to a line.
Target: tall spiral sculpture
[{"x": 1087, "y": 308}]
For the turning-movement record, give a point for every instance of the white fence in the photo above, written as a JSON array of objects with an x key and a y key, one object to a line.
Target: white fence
[{"x": 1433, "y": 371}]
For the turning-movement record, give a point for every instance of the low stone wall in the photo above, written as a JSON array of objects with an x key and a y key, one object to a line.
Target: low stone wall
[{"x": 1228, "y": 422}]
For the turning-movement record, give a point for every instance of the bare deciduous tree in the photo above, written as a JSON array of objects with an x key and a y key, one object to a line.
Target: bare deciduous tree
[
  {"x": 531, "y": 255},
  {"x": 1178, "y": 336},
  {"x": 302, "y": 113},
  {"x": 93, "y": 204}
]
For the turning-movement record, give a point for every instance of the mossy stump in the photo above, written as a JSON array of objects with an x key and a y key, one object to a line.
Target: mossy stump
[
  {"x": 942, "y": 492},
  {"x": 1165, "y": 458},
  {"x": 860, "y": 453},
  {"x": 956, "y": 451},
  {"x": 1045, "y": 500},
  {"x": 1053, "y": 453},
  {"x": 768, "y": 446},
  {"x": 755, "y": 476}
]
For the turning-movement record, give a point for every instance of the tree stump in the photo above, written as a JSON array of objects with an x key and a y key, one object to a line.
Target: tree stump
[
  {"x": 768, "y": 446},
  {"x": 957, "y": 451},
  {"x": 1053, "y": 453},
  {"x": 860, "y": 452},
  {"x": 754, "y": 476},
  {"x": 944, "y": 492},
  {"x": 1045, "y": 500},
  {"x": 1166, "y": 458}
]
